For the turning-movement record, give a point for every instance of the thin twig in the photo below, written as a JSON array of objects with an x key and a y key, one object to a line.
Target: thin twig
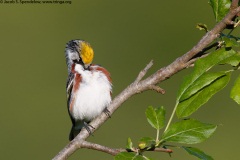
[
  {"x": 157, "y": 89},
  {"x": 114, "y": 151},
  {"x": 99, "y": 147},
  {"x": 192, "y": 61},
  {"x": 163, "y": 150},
  {"x": 143, "y": 72}
]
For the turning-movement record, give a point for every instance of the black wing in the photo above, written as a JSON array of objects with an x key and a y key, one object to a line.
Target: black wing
[{"x": 69, "y": 87}]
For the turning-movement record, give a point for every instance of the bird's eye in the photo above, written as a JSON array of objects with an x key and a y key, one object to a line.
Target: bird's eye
[
  {"x": 75, "y": 61},
  {"x": 78, "y": 61}
]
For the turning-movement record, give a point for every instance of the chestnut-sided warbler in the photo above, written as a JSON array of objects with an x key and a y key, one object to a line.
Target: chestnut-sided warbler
[{"x": 88, "y": 87}]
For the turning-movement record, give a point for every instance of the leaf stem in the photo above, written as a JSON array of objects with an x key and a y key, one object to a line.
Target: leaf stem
[
  {"x": 157, "y": 138},
  {"x": 230, "y": 32},
  {"x": 171, "y": 118}
]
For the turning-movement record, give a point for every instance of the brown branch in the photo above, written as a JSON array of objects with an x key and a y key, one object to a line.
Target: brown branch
[
  {"x": 98, "y": 147},
  {"x": 140, "y": 85},
  {"x": 157, "y": 89},
  {"x": 143, "y": 72},
  {"x": 114, "y": 151},
  {"x": 234, "y": 4},
  {"x": 163, "y": 150},
  {"x": 206, "y": 49},
  {"x": 190, "y": 63}
]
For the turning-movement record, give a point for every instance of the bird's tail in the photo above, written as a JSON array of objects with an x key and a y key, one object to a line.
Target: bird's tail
[
  {"x": 73, "y": 133},
  {"x": 76, "y": 128}
]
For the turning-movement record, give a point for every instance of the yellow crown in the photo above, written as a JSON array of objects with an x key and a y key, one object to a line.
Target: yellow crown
[{"x": 86, "y": 53}]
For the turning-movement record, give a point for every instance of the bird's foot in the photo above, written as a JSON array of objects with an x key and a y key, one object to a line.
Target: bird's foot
[
  {"x": 87, "y": 127},
  {"x": 107, "y": 112}
]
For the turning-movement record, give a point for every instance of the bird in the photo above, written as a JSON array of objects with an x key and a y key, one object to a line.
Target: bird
[{"x": 88, "y": 88}]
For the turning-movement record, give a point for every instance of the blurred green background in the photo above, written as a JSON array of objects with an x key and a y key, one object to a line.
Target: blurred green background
[{"x": 125, "y": 35}]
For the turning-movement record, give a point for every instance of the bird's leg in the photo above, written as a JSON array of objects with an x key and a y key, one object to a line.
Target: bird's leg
[
  {"x": 87, "y": 127},
  {"x": 107, "y": 112}
]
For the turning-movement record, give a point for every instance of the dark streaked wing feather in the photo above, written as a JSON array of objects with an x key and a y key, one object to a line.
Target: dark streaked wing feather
[{"x": 69, "y": 87}]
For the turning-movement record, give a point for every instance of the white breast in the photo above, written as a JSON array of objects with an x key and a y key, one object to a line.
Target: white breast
[{"x": 93, "y": 95}]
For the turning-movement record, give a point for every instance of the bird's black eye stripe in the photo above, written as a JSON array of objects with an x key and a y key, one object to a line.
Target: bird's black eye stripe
[
  {"x": 78, "y": 61},
  {"x": 75, "y": 61}
]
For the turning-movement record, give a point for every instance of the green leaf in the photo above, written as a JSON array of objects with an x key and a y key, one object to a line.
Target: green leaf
[
  {"x": 129, "y": 144},
  {"x": 202, "y": 65},
  {"x": 203, "y": 81},
  {"x": 230, "y": 42},
  {"x": 128, "y": 156},
  {"x": 233, "y": 60},
  {"x": 146, "y": 143},
  {"x": 190, "y": 105},
  {"x": 198, "y": 153},
  {"x": 188, "y": 131},
  {"x": 202, "y": 26},
  {"x": 156, "y": 117},
  {"x": 194, "y": 90},
  {"x": 235, "y": 92},
  {"x": 220, "y": 8}
]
